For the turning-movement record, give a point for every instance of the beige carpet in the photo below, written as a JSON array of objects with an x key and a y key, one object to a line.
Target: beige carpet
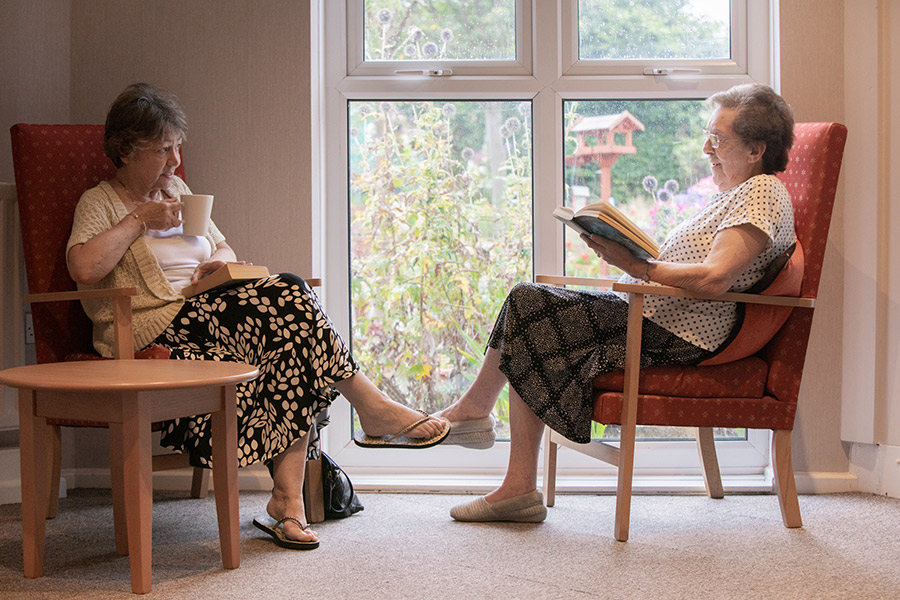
[{"x": 406, "y": 546}]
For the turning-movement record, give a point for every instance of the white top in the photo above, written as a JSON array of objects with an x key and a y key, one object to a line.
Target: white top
[
  {"x": 761, "y": 201},
  {"x": 178, "y": 254}
]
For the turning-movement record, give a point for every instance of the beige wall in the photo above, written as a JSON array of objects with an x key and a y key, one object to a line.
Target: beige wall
[
  {"x": 34, "y": 69},
  {"x": 812, "y": 81},
  {"x": 241, "y": 71}
]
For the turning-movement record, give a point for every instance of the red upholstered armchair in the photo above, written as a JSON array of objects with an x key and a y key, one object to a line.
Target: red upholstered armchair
[
  {"x": 54, "y": 165},
  {"x": 758, "y": 384}
]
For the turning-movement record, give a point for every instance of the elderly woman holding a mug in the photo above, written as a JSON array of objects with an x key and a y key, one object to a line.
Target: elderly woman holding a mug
[{"x": 128, "y": 232}]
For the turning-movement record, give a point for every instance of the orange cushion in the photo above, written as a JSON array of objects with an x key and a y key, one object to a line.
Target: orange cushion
[{"x": 761, "y": 321}]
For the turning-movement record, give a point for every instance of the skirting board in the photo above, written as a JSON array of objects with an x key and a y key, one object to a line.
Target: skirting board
[
  {"x": 254, "y": 477},
  {"x": 257, "y": 478},
  {"x": 10, "y": 486}
]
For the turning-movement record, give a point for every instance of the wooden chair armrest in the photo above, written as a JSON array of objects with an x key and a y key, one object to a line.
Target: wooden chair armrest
[
  {"x": 123, "y": 345},
  {"x": 664, "y": 290},
  {"x": 313, "y": 281},
  {"x": 568, "y": 280},
  {"x": 82, "y": 295}
]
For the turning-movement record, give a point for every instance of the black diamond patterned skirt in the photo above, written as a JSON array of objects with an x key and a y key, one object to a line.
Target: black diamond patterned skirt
[{"x": 553, "y": 342}]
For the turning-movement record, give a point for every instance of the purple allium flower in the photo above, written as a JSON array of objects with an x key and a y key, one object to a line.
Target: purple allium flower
[
  {"x": 467, "y": 154},
  {"x": 385, "y": 106},
  {"x": 411, "y": 50},
  {"x": 384, "y": 16},
  {"x": 429, "y": 50},
  {"x": 415, "y": 33},
  {"x": 446, "y": 35},
  {"x": 663, "y": 195},
  {"x": 513, "y": 124},
  {"x": 650, "y": 183},
  {"x": 364, "y": 110},
  {"x": 504, "y": 132},
  {"x": 449, "y": 109},
  {"x": 524, "y": 108},
  {"x": 671, "y": 186}
]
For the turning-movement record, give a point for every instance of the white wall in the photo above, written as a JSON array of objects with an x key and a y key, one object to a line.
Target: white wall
[{"x": 871, "y": 388}]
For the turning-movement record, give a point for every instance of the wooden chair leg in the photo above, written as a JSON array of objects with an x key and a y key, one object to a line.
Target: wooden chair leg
[
  {"x": 785, "y": 486},
  {"x": 200, "y": 483},
  {"x": 35, "y": 484},
  {"x": 706, "y": 446},
  {"x": 117, "y": 487},
  {"x": 629, "y": 415},
  {"x": 550, "y": 450},
  {"x": 54, "y": 448},
  {"x": 224, "y": 455}
]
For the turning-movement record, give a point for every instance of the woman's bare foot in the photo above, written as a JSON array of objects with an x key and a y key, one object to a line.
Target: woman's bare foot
[
  {"x": 390, "y": 417},
  {"x": 282, "y": 506},
  {"x": 463, "y": 411},
  {"x": 379, "y": 415}
]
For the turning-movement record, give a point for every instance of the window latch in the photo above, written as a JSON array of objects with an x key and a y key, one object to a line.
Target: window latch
[
  {"x": 663, "y": 71},
  {"x": 426, "y": 72}
]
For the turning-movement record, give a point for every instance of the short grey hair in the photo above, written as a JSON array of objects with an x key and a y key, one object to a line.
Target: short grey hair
[
  {"x": 140, "y": 116},
  {"x": 763, "y": 116}
]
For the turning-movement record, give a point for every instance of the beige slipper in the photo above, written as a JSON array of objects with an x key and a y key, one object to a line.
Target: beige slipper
[
  {"x": 476, "y": 433},
  {"x": 527, "y": 508}
]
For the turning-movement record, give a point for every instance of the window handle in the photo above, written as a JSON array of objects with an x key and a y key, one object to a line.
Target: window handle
[
  {"x": 426, "y": 72},
  {"x": 663, "y": 71}
]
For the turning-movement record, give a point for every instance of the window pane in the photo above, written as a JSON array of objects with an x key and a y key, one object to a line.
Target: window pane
[
  {"x": 440, "y": 30},
  {"x": 646, "y": 157},
  {"x": 654, "y": 29},
  {"x": 440, "y": 209}
]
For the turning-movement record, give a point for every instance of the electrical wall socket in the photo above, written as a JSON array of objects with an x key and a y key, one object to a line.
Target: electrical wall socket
[{"x": 29, "y": 329}]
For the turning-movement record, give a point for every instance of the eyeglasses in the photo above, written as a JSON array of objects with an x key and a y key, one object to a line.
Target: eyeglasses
[{"x": 714, "y": 140}]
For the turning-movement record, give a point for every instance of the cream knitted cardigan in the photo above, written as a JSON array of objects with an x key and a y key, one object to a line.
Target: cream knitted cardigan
[{"x": 99, "y": 209}]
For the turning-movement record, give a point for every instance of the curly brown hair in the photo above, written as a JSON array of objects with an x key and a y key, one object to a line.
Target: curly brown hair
[
  {"x": 140, "y": 116},
  {"x": 763, "y": 116}
]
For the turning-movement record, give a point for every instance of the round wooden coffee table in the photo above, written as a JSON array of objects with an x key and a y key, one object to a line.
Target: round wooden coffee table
[{"x": 129, "y": 395}]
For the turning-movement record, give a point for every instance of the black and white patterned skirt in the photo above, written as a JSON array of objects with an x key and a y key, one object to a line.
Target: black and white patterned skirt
[
  {"x": 553, "y": 342},
  {"x": 277, "y": 325}
]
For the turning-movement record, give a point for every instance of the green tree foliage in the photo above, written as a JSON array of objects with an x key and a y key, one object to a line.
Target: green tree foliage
[
  {"x": 628, "y": 29},
  {"x": 435, "y": 246},
  {"x": 456, "y": 30}
]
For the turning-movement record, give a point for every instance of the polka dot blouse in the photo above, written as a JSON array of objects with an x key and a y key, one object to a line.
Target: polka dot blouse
[{"x": 761, "y": 201}]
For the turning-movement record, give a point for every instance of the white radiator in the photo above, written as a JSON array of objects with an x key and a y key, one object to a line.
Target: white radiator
[{"x": 12, "y": 318}]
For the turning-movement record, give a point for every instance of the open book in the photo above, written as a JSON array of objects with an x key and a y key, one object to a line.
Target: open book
[
  {"x": 605, "y": 220},
  {"x": 230, "y": 272}
]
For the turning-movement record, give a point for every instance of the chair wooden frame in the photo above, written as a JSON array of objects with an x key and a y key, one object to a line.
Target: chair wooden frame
[{"x": 623, "y": 455}]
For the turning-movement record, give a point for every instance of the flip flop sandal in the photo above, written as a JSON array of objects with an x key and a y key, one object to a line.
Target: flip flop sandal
[
  {"x": 400, "y": 439},
  {"x": 276, "y": 530}
]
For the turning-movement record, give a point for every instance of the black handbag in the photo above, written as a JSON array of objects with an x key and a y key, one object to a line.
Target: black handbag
[{"x": 338, "y": 496}]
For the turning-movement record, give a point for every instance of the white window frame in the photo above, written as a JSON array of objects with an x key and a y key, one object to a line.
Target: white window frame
[{"x": 548, "y": 78}]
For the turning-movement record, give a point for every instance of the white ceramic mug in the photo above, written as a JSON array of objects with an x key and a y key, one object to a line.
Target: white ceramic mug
[{"x": 195, "y": 213}]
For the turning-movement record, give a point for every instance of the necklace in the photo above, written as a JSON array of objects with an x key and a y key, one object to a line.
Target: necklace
[{"x": 132, "y": 195}]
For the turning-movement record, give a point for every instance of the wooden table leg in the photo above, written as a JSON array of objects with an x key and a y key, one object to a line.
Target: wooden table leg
[
  {"x": 138, "y": 473},
  {"x": 224, "y": 454},
  {"x": 35, "y": 480}
]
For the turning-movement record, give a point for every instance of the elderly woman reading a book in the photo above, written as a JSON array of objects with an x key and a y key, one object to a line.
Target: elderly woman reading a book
[
  {"x": 550, "y": 343},
  {"x": 127, "y": 232}
]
